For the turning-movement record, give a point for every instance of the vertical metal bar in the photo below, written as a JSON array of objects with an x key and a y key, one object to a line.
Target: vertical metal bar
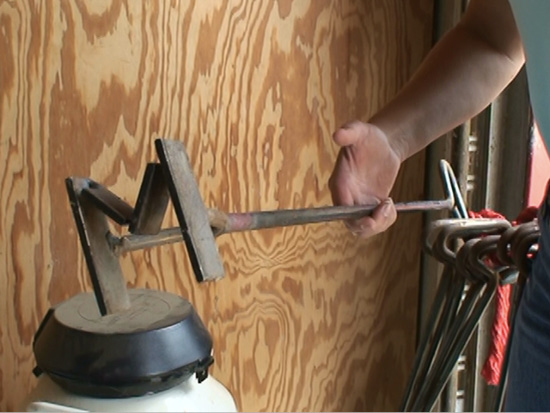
[
  {"x": 448, "y": 402},
  {"x": 190, "y": 210},
  {"x": 472, "y": 365},
  {"x": 103, "y": 265},
  {"x": 446, "y": 15},
  {"x": 507, "y": 137},
  {"x": 152, "y": 202},
  {"x": 510, "y": 143}
]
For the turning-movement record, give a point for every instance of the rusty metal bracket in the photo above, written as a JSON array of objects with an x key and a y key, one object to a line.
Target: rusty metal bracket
[
  {"x": 152, "y": 202},
  {"x": 93, "y": 229},
  {"x": 190, "y": 210}
]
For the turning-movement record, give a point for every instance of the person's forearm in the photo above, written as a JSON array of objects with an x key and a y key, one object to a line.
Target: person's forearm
[{"x": 458, "y": 79}]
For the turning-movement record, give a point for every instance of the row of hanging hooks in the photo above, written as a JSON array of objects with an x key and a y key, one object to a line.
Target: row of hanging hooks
[{"x": 478, "y": 255}]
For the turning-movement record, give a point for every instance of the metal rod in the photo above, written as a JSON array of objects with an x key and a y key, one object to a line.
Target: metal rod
[
  {"x": 430, "y": 338},
  {"x": 282, "y": 218},
  {"x": 238, "y": 222}
]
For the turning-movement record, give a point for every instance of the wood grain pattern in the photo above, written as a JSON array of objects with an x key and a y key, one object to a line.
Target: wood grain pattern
[{"x": 308, "y": 318}]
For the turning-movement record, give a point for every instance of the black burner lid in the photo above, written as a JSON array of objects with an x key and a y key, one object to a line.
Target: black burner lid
[{"x": 157, "y": 343}]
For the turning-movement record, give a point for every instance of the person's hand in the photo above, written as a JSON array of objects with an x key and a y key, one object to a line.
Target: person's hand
[{"x": 364, "y": 174}]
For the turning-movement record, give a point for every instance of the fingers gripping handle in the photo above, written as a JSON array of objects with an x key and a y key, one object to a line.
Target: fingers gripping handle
[{"x": 190, "y": 210}]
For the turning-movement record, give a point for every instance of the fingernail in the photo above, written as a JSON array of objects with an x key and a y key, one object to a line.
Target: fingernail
[{"x": 386, "y": 208}]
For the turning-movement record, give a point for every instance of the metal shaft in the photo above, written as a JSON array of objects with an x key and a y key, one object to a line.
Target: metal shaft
[
  {"x": 288, "y": 217},
  {"x": 236, "y": 222}
]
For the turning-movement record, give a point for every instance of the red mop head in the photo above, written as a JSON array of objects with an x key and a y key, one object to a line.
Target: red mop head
[{"x": 500, "y": 330}]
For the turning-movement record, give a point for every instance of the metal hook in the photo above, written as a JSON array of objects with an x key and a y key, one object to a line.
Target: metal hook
[
  {"x": 452, "y": 189},
  {"x": 463, "y": 229}
]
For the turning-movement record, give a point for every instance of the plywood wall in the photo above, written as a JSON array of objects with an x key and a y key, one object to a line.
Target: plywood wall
[{"x": 308, "y": 318}]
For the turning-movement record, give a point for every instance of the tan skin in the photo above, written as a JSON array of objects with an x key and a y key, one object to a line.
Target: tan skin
[{"x": 463, "y": 73}]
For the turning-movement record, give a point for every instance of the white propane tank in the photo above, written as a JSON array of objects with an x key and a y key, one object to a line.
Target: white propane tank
[{"x": 208, "y": 396}]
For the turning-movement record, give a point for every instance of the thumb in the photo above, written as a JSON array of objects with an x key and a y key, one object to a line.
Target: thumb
[
  {"x": 350, "y": 133},
  {"x": 381, "y": 219}
]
